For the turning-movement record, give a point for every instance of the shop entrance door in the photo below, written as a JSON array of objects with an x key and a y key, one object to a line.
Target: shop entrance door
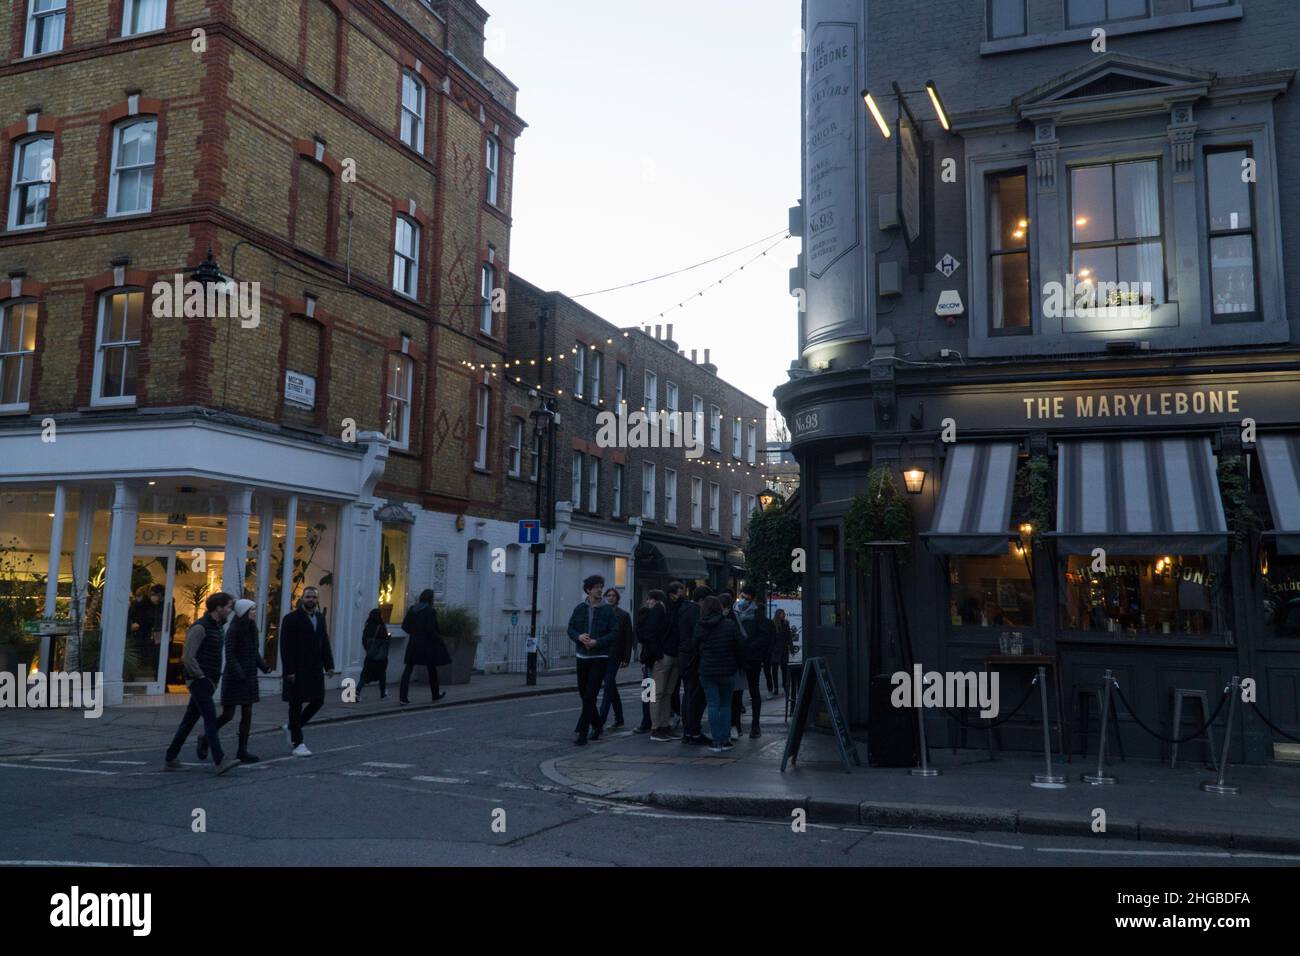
[{"x": 169, "y": 588}]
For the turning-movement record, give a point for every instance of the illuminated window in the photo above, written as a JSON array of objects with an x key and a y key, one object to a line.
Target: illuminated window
[
  {"x": 1232, "y": 235},
  {"x": 17, "y": 347},
  {"x": 1118, "y": 251},
  {"x": 1170, "y": 595},
  {"x": 991, "y": 590},
  {"x": 1008, "y": 202}
]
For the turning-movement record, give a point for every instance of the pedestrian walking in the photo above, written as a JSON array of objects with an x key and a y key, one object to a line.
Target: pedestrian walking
[
  {"x": 778, "y": 670},
  {"x": 375, "y": 642},
  {"x": 651, "y": 628},
  {"x": 756, "y": 632},
  {"x": 737, "y": 708},
  {"x": 592, "y": 627},
  {"x": 693, "y": 699},
  {"x": 424, "y": 648},
  {"x": 666, "y": 670},
  {"x": 620, "y": 656},
  {"x": 305, "y": 661},
  {"x": 202, "y": 664},
  {"x": 678, "y": 595},
  {"x": 721, "y": 654},
  {"x": 239, "y": 684}
]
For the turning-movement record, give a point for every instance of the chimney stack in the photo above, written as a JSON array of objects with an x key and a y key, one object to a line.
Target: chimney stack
[
  {"x": 694, "y": 353},
  {"x": 670, "y": 331},
  {"x": 706, "y": 356},
  {"x": 659, "y": 332}
]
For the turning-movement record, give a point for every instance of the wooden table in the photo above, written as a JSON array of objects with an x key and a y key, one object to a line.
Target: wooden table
[{"x": 1048, "y": 661}]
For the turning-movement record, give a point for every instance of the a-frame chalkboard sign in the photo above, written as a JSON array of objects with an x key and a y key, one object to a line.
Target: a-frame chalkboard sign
[{"x": 816, "y": 666}]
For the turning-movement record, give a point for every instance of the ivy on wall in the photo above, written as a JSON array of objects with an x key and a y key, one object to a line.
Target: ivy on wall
[
  {"x": 1035, "y": 491},
  {"x": 881, "y": 513},
  {"x": 1234, "y": 489}
]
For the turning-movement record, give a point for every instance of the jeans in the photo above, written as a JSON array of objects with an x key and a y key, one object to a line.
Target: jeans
[
  {"x": 751, "y": 678},
  {"x": 611, "y": 695},
  {"x": 201, "y": 694},
  {"x": 403, "y": 691},
  {"x": 299, "y": 714},
  {"x": 665, "y": 676},
  {"x": 591, "y": 675},
  {"x": 692, "y": 703},
  {"x": 718, "y": 694}
]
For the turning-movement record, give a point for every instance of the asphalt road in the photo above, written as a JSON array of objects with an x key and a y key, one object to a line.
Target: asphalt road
[{"x": 424, "y": 788}]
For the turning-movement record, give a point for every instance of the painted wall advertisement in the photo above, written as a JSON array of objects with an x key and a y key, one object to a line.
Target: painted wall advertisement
[{"x": 831, "y": 200}]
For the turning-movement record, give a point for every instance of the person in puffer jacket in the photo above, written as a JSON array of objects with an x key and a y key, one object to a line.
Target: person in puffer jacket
[{"x": 721, "y": 656}]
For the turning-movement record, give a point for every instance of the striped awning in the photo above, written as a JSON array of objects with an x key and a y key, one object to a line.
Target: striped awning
[
  {"x": 1279, "y": 456},
  {"x": 1139, "y": 496},
  {"x": 974, "y": 511}
]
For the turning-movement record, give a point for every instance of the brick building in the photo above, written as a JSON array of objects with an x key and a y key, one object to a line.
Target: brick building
[
  {"x": 640, "y": 516},
  {"x": 349, "y": 165}
]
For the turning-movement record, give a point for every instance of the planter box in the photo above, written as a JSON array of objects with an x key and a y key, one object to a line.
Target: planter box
[{"x": 462, "y": 661}]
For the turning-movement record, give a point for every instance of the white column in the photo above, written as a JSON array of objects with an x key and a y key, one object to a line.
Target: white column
[
  {"x": 357, "y": 581},
  {"x": 117, "y": 588},
  {"x": 265, "y": 537},
  {"x": 290, "y": 545},
  {"x": 239, "y": 504}
]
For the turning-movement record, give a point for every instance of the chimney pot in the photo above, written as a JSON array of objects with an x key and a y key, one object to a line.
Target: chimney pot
[
  {"x": 659, "y": 332},
  {"x": 706, "y": 357},
  {"x": 694, "y": 353},
  {"x": 670, "y": 331}
]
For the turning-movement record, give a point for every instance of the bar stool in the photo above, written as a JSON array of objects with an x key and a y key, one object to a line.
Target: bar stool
[
  {"x": 1085, "y": 697},
  {"x": 1203, "y": 699}
]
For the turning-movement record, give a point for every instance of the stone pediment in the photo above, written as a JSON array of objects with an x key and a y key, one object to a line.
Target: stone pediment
[{"x": 1113, "y": 86}]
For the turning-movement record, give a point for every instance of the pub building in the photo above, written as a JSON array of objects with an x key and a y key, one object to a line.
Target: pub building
[{"x": 1061, "y": 323}]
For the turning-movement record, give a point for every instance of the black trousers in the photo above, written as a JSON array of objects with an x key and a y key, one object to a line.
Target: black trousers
[
  {"x": 693, "y": 703},
  {"x": 404, "y": 690},
  {"x": 751, "y": 678},
  {"x": 245, "y": 722},
  {"x": 775, "y": 674},
  {"x": 200, "y": 707},
  {"x": 591, "y": 677},
  {"x": 299, "y": 713}
]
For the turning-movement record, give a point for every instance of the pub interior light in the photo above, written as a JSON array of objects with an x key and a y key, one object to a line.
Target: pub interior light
[
  {"x": 878, "y": 116},
  {"x": 939, "y": 111},
  {"x": 1026, "y": 529},
  {"x": 914, "y": 479}
]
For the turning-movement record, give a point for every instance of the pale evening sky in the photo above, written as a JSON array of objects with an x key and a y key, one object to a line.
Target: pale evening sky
[{"x": 660, "y": 134}]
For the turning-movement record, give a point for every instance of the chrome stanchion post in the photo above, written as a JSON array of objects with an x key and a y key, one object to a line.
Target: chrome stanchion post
[
  {"x": 925, "y": 770},
  {"x": 1048, "y": 780},
  {"x": 1219, "y": 787},
  {"x": 1101, "y": 778}
]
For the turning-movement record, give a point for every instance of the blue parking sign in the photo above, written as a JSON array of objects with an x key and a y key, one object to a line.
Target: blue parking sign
[{"x": 530, "y": 532}]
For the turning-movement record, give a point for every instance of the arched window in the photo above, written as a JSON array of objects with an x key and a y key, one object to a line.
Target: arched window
[
  {"x": 29, "y": 197},
  {"x": 130, "y": 185},
  {"x": 117, "y": 347}
]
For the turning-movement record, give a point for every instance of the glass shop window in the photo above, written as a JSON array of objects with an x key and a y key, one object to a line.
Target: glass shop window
[
  {"x": 1280, "y": 593},
  {"x": 1168, "y": 595},
  {"x": 991, "y": 590}
]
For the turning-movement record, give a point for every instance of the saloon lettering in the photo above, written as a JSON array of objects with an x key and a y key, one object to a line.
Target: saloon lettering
[{"x": 1134, "y": 404}]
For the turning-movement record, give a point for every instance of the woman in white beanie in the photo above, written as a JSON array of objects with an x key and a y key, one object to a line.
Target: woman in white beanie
[{"x": 239, "y": 679}]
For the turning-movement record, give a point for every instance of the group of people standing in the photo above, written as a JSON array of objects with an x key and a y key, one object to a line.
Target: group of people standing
[{"x": 710, "y": 645}]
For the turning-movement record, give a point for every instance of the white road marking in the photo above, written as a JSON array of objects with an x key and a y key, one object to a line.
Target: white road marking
[
  {"x": 441, "y": 779},
  {"x": 28, "y": 766},
  {"x": 423, "y": 733},
  {"x": 514, "y": 786},
  {"x": 1213, "y": 854},
  {"x": 947, "y": 839},
  {"x": 77, "y": 863},
  {"x": 361, "y": 773},
  {"x": 388, "y": 766},
  {"x": 547, "y": 713},
  {"x": 55, "y": 759},
  {"x": 127, "y": 763}
]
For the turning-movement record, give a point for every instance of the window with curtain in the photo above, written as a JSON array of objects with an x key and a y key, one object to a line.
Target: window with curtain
[
  {"x": 29, "y": 198},
  {"x": 488, "y": 287},
  {"x": 45, "y": 20},
  {"x": 142, "y": 16},
  {"x": 1233, "y": 270},
  {"x": 406, "y": 257},
  {"x": 1010, "y": 308},
  {"x": 1117, "y": 249}
]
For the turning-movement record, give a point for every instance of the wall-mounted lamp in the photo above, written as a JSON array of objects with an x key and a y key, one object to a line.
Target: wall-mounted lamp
[
  {"x": 914, "y": 480},
  {"x": 766, "y": 498},
  {"x": 939, "y": 111},
  {"x": 878, "y": 116},
  {"x": 1026, "y": 530}
]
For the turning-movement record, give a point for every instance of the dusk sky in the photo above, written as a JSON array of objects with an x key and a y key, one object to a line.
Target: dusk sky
[{"x": 660, "y": 135}]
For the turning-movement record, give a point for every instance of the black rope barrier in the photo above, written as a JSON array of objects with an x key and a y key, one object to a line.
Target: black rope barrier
[
  {"x": 993, "y": 723},
  {"x": 1171, "y": 740},
  {"x": 1275, "y": 727}
]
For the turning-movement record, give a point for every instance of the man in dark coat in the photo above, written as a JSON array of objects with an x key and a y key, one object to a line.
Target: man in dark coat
[
  {"x": 693, "y": 701},
  {"x": 667, "y": 670},
  {"x": 651, "y": 628},
  {"x": 756, "y": 632},
  {"x": 621, "y": 655},
  {"x": 592, "y": 627},
  {"x": 305, "y": 660},
  {"x": 424, "y": 647}
]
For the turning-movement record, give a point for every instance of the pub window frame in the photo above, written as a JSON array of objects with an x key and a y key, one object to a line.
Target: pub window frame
[
  {"x": 1211, "y": 234},
  {"x": 992, "y": 253}
]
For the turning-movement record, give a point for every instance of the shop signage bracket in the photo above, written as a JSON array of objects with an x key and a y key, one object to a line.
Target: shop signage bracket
[{"x": 817, "y": 667}]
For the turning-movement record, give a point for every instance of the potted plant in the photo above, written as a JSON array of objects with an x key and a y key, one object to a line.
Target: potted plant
[
  {"x": 19, "y": 590},
  {"x": 459, "y": 629}
]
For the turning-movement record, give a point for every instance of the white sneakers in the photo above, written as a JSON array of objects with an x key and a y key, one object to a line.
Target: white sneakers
[
  {"x": 735, "y": 734},
  {"x": 301, "y": 751}
]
